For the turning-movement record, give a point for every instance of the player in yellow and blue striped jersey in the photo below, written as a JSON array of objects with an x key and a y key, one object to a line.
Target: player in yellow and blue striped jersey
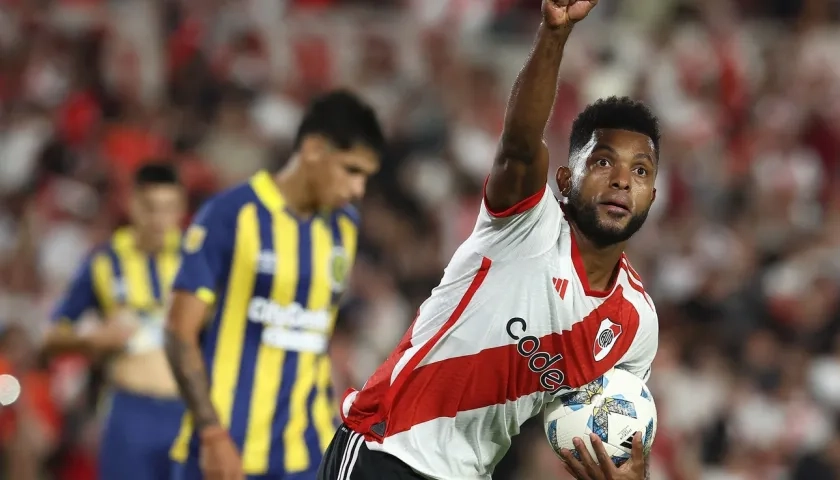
[
  {"x": 127, "y": 282},
  {"x": 272, "y": 256}
]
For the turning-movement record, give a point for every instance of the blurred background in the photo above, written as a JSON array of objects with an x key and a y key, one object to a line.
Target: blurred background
[{"x": 741, "y": 252}]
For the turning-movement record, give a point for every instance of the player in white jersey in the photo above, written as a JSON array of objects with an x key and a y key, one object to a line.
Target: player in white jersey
[{"x": 540, "y": 299}]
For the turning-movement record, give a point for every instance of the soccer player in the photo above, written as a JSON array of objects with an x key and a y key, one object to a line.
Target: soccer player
[
  {"x": 126, "y": 281},
  {"x": 539, "y": 300},
  {"x": 272, "y": 256}
]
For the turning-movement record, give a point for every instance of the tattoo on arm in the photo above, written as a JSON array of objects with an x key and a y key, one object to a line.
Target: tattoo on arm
[{"x": 191, "y": 375}]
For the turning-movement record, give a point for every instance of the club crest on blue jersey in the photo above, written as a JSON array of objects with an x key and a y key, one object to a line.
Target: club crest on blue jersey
[
  {"x": 339, "y": 268},
  {"x": 194, "y": 238}
]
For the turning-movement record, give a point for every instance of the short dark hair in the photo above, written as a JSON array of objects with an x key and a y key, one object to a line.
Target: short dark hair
[
  {"x": 343, "y": 119},
  {"x": 620, "y": 113},
  {"x": 156, "y": 174}
]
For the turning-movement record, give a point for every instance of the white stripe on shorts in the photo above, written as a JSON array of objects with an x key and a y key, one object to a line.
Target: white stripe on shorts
[
  {"x": 351, "y": 453},
  {"x": 355, "y": 456}
]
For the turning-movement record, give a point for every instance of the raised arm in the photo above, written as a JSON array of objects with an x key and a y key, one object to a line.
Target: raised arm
[{"x": 521, "y": 165}]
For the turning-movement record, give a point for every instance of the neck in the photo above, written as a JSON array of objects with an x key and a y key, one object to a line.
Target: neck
[
  {"x": 600, "y": 263},
  {"x": 146, "y": 243},
  {"x": 292, "y": 183}
]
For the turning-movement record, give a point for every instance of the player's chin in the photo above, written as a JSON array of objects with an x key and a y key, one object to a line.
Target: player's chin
[{"x": 614, "y": 224}]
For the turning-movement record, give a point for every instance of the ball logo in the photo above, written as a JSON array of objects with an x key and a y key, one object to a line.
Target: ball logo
[
  {"x": 607, "y": 335},
  {"x": 551, "y": 376}
]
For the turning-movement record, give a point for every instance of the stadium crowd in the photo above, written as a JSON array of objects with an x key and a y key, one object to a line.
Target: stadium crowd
[{"x": 741, "y": 255}]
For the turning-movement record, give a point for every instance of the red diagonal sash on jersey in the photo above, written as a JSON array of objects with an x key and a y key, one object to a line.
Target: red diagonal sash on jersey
[{"x": 494, "y": 375}]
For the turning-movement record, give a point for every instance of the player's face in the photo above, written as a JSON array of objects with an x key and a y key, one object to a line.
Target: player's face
[
  {"x": 609, "y": 185},
  {"x": 156, "y": 210},
  {"x": 345, "y": 175}
]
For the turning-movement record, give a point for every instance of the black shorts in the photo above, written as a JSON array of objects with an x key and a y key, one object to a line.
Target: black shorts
[{"x": 348, "y": 458}]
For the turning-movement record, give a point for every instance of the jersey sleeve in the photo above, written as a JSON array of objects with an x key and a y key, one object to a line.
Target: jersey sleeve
[
  {"x": 526, "y": 229},
  {"x": 79, "y": 296},
  {"x": 205, "y": 252},
  {"x": 639, "y": 358}
]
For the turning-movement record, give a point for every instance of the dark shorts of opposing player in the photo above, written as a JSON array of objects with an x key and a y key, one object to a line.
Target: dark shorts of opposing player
[
  {"x": 348, "y": 458},
  {"x": 138, "y": 434}
]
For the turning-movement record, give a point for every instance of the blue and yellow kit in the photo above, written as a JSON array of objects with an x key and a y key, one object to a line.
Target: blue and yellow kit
[
  {"x": 118, "y": 276},
  {"x": 275, "y": 280}
]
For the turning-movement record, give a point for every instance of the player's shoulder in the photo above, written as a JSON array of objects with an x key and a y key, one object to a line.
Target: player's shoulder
[
  {"x": 226, "y": 204},
  {"x": 103, "y": 250},
  {"x": 234, "y": 197},
  {"x": 538, "y": 202},
  {"x": 122, "y": 238},
  {"x": 98, "y": 250},
  {"x": 528, "y": 229}
]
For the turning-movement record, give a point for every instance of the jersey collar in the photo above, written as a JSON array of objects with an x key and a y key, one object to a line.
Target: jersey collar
[{"x": 267, "y": 192}]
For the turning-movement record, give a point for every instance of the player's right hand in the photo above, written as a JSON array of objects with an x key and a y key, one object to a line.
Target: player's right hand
[
  {"x": 587, "y": 469},
  {"x": 565, "y": 13},
  {"x": 218, "y": 457}
]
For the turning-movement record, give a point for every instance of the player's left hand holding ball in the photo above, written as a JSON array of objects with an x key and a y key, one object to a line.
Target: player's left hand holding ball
[{"x": 604, "y": 469}]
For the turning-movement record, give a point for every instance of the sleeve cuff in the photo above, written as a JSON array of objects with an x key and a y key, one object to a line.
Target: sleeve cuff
[
  {"x": 206, "y": 295},
  {"x": 520, "y": 207}
]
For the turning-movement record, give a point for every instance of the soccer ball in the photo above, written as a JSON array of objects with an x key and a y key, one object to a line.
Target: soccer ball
[{"x": 615, "y": 406}]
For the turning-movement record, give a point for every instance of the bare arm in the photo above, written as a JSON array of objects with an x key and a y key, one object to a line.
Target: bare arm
[
  {"x": 105, "y": 339},
  {"x": 521, "y": 165},
  {"x": 63, "y": 338},
  {"x": 183, "y": 326}
]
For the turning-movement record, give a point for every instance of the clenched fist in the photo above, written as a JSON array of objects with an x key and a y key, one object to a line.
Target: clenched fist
[{"x": 563, "y": 13}]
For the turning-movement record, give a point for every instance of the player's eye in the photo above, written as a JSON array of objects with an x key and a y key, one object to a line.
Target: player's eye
[
  {"x": 602, "y": 162},
  {"x": 641, "y": 171}
]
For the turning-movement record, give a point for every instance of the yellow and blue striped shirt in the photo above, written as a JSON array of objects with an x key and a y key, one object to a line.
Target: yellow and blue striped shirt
[
  {"x": 119, "y": 275},
  {"x": 275, "y": 280}
]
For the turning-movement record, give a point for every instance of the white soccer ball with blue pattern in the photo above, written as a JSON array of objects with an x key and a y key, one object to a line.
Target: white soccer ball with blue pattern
[{"x": 615, "y": 406}]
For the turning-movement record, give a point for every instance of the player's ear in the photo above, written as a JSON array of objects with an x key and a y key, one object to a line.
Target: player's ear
[
  {"x": 312, "y": 149},
  {"x": 653, "y": 196},
  {"x": 564, "y": 180}
]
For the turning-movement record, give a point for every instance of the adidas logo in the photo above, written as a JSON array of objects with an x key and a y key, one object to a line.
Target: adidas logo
[
  {"x": 560, "y": 286},
  {"x": 628, "y": 443},
  {"x": 380, "y": 428}
]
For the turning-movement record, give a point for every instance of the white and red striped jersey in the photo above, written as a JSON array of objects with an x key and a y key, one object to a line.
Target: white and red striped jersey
[{"x": 512, "y": 324}]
